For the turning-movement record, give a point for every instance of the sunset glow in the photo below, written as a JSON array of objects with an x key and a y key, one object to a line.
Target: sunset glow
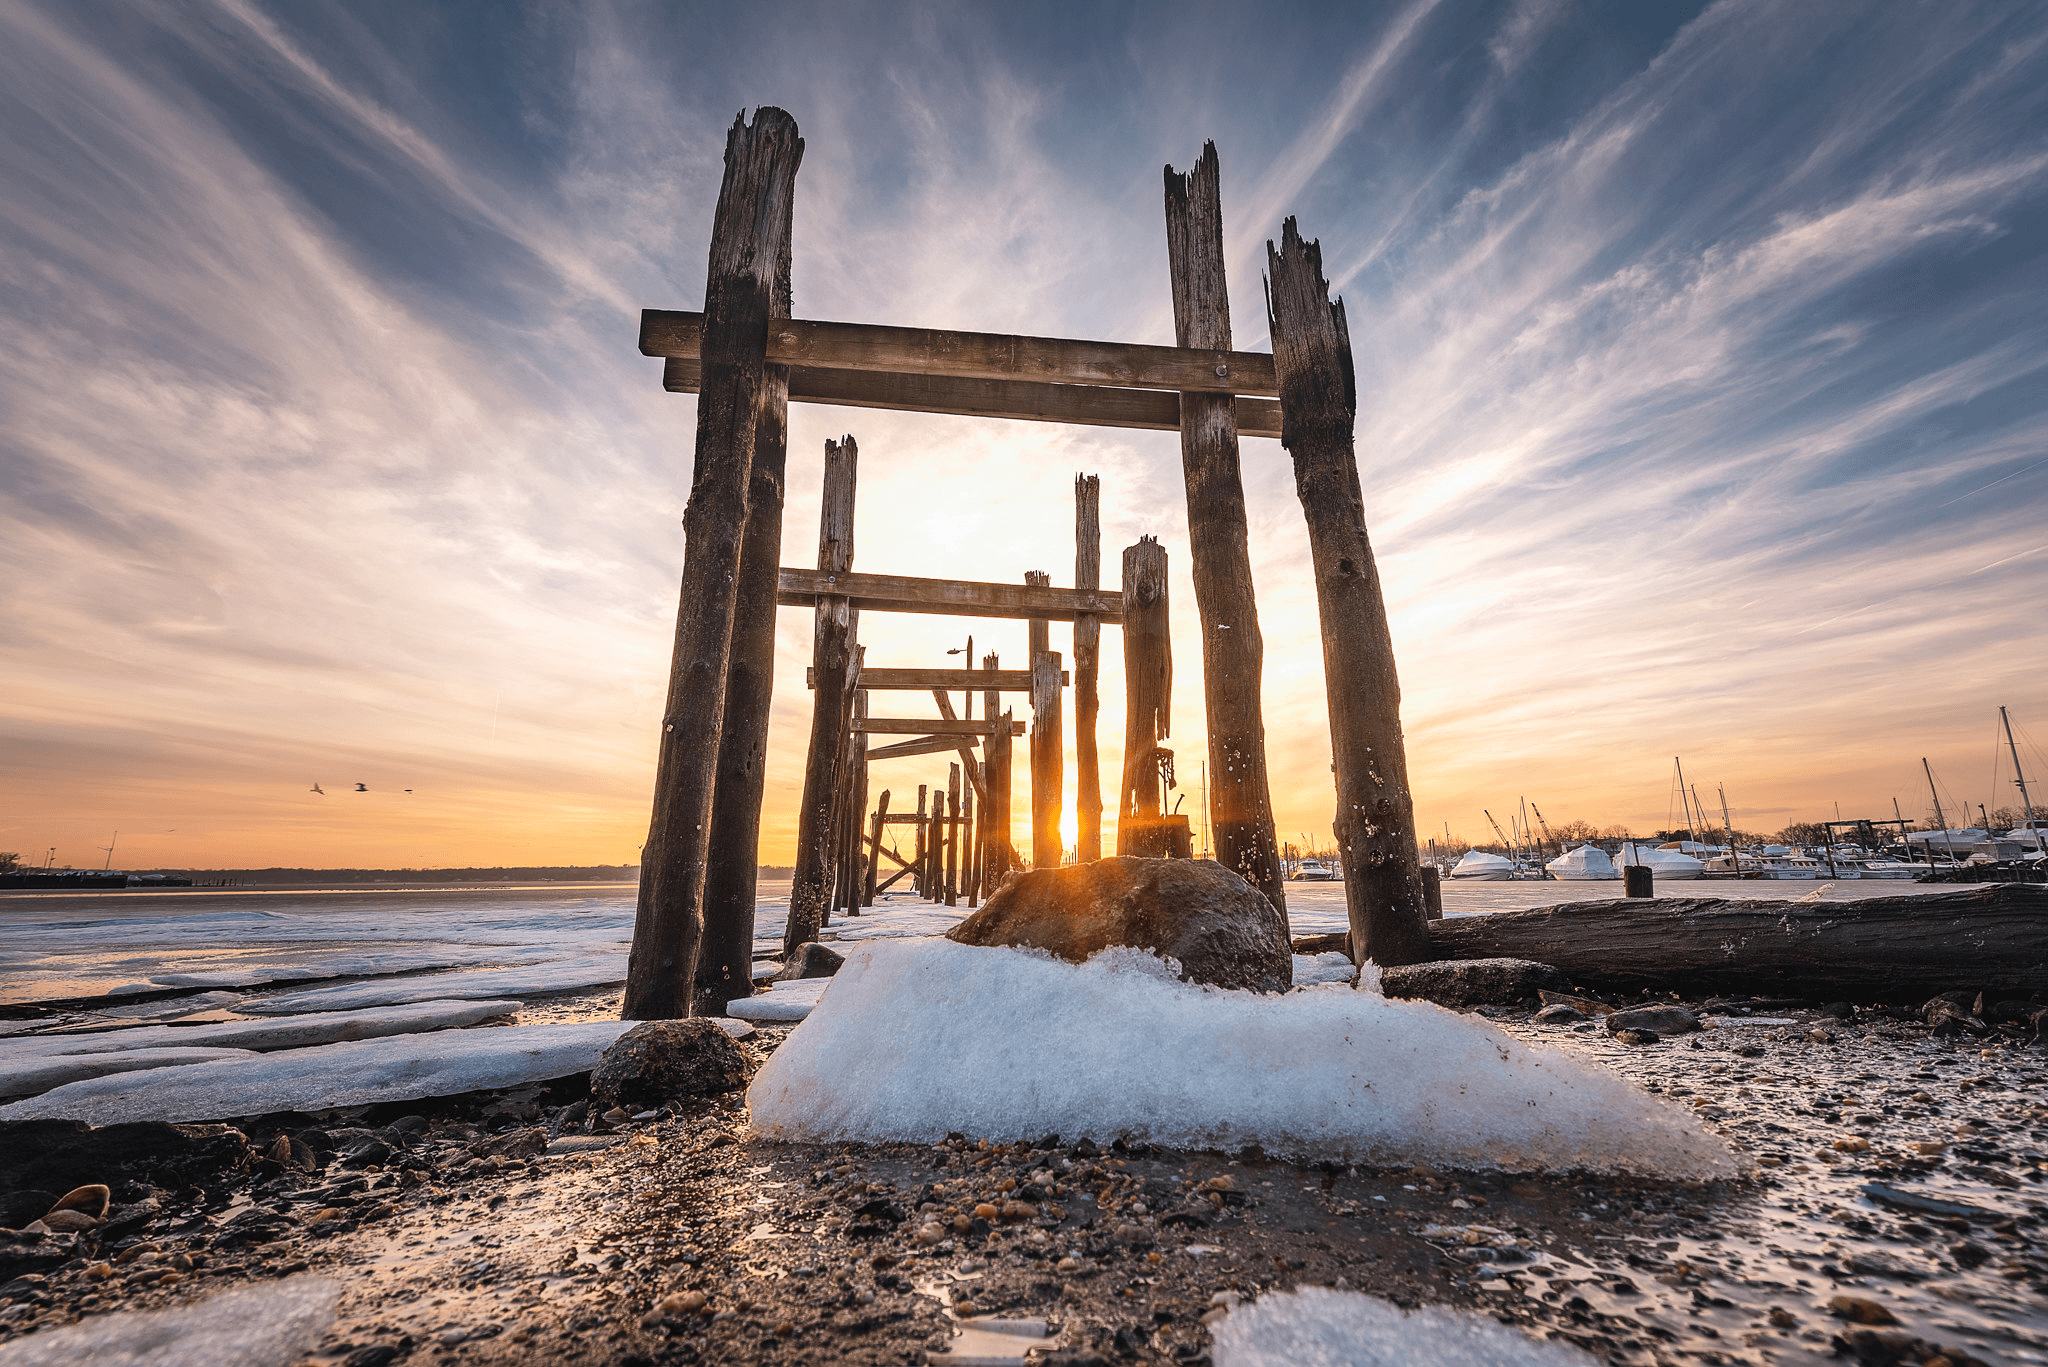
[{"x": 1700, "y": 358}]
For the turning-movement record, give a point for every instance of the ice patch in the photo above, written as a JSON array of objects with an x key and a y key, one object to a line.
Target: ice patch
[
  {"x": 565, "y": 976},
  {"x": 257, "y": 1326},
  {"x": 920, "y": 1039},
  {"x": 790, "y": 1001},
  {"x": 278, "y": 1032},
  {"x": 1333, "y": 967},
  {"x": 1318, "y": 1327},
  {"x": 405, "y": 1068},
  {"x": 29, "y": 1077}
]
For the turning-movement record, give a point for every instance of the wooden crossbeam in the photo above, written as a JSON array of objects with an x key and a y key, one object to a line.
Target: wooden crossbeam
[
  {"x": 868, "y": 347},
  {"x": 951, "y": 680},
  {"x": 800, "y": 588},
  {"x": 1153, "y": 410},
  {"x": 929, "y": 745},
  {"x": 930, "y": 726}
]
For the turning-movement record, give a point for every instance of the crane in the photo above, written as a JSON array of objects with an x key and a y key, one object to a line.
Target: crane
[
  {"x": 1546, "y": 828},
  {"x": 1505, "y": 843}
]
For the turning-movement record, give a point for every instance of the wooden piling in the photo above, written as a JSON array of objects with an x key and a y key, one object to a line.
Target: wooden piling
[
  {"x": 867, "y": 898},
  {"x": 1087, "y": 644},
  {"x": 833, "y": 652},
  {"x": 733, "y": 860},
  {"x": 1148, "y": 698},
  {"x": 749, "y": 246},
  {"x": 970, "y": 858},
  {"x": 1233, "y": 651},
  {"x": 1048, "y": 762},
  {"x": 1375, "y": 825},
  {"x": 917, "y": 860},
  {"x": 1001, "y": 766},
  {"x": 953, "y": 836}
]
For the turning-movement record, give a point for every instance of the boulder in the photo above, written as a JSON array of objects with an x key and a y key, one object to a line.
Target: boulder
[
  {"x": 1557, "y": 1013},
  {"x": 1219, "y": 928},
  {"x": 1662, "y": 1020},
  {"x": 661, "y": 1061},
  {"x": 811, "y": 960},
  {"x": 58, "y": 1155},
  {"x": 1472, "y": 982}
]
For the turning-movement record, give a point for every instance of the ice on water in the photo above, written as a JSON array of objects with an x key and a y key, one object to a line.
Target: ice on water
[
  {"x": 918, "y": 1039},
  {"x": 1318, "y": 1327},
  {"x": 277, "y": 1032},
  {"x": 565, "y": 976},
  {"x": 269, "y": 1325},
  {"x": 360, "y": 1073},
  {"x": 31, "y": 1075},
  {"x": 790, "y": 1001}
]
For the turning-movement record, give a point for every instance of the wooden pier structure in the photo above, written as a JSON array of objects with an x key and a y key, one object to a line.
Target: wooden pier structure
[{"x": 747, "y": 358}]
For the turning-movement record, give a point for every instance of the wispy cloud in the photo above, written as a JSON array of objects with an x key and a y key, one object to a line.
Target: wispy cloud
[{"x": 1701, "y": 403}]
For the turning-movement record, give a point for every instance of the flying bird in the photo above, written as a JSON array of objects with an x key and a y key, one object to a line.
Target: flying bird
[
  {"x": 362, "y": 787},
  {"x": 318, "y": 789}
]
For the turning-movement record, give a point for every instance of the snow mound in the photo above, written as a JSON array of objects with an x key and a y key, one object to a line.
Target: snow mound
[
  {"x": 917, "y": 1039},
  {"x": 278, "y": 1032},
  {"x": 402, "y": 1068},
  {"x": 1318, "y": 1327},
  {"x": 258, "y": 1326},
  {"x": 565, "y": 976},
  {"x": 27, "y": 1077}
]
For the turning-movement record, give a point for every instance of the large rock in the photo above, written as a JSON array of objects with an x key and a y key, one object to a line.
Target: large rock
[
  {"x": 662, "y": 1061},
  {"x": 1664, "y": 1020},
  {"x": 811, "y": 960},
  {"x": 57, "y": 1155},
  {"x": 1472, "y": 982},
  {"x": 1220, "y": 928}
]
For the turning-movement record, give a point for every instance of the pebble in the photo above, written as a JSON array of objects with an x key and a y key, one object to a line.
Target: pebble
[{"x": 1860, "y": 1310}]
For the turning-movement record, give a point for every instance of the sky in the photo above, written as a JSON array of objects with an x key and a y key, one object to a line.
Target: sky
[{"x": 1702, "y": 370}]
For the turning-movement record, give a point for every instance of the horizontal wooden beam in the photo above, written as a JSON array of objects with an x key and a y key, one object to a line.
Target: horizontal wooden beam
[
  {"x": 880, "y": 349},
  {"x": 930, "y": 726},
  {"x": 930, "y": 745},
  {"x": 800, "y": 588},
  {"x": 1153, "y": 410},
  {"x": 951, "y": 680}
]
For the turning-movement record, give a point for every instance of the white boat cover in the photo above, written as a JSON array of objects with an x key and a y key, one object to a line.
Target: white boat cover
[
  {"x": 1661, "y": 863},
  {"x": 1479, "y": 864},
  {"x": 1585, "y": 862}
]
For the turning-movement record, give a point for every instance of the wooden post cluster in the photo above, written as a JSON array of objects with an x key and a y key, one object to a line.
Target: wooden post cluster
[
  {"x": 750, "y": 246},
  {"x": 1233, "y": 652},
  {"x": 1375, "y": 825},
  {"x": 747, "y": 358}
]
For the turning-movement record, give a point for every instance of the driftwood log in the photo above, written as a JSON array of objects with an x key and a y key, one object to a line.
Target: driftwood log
[{"x": 1900, "y": 949}]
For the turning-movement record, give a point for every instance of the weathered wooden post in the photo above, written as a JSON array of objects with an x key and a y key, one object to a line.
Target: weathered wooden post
[
  {"x": 1233, "y": 651},
  {"x": 1375, "y": 824},
  {"x": 1048, "y": 762},
  {"x": 833, "y": 654},
  {"x": 853, "y": 807},
  {"x": 970, "y": 857},
  {"x": 867, "y": 897},
  {"x": 995, "y": 811},
  {"x": 1087, "y": 644},
  {"x": 918, "y": 862},
  {"x": 733, "y": 861},
  {"x": 1148, "y": 697},
  {"x": 749, "y": 249},
  {"x": 953, "y": 836}
]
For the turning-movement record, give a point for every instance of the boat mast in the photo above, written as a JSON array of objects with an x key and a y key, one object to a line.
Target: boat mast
[
  {"x": 2019, "y": 778},
  {"x": 1939, "y": 819},
  {"x": 1734, "y": 863},
  {"x": 1690, "y": 833}
]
